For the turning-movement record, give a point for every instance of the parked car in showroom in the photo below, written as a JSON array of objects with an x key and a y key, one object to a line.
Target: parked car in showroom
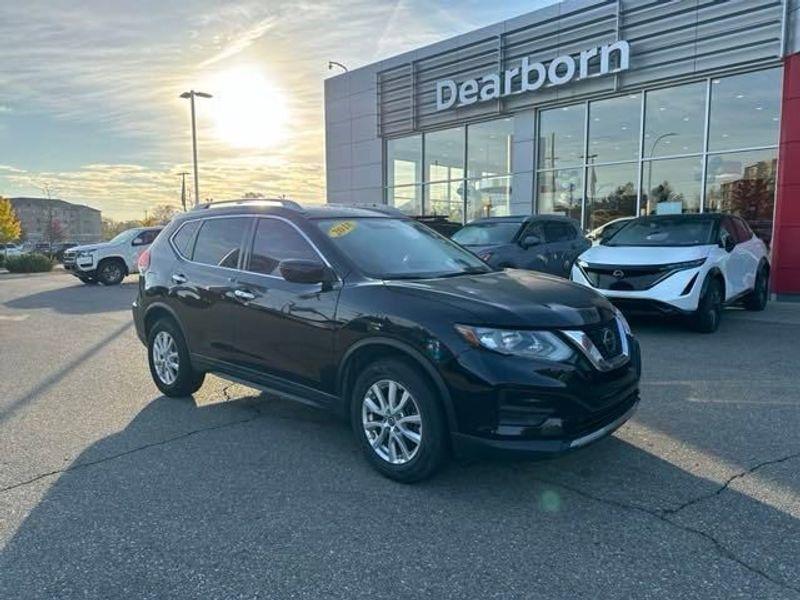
[
  {"x": 546, "y": 243},
  {"x": 109, "y": 262},
  {"x": 421, "y": 345},
  {"x": 691, "y": 265}
]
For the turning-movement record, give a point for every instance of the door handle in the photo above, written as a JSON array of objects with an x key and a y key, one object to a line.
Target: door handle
[
  {"x": 244, "y": 295},
  {"x": 178, "y": 278}
]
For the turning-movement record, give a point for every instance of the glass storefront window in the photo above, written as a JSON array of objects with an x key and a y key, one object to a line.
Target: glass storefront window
[
  {"x": 561, "y": 136},
  {"x": 614, "y": 129},
  {"x": 446, "y": 199},
  {"x": 407, "y": 198},
  {"x": 489, "y": 148},
  {"x": 490, "y": 197},
  {"x": 444, "y": 154},
  {"x": 674, "y": 121},
  {"x": 611, "y": 193},
  {"x": 404, "y": 160},
  {"x": 672, "y": 186},
  {"x": 743, "y": 183},
  {"x": 745, "y": 110},
  {"x": 561, "y": 192}
]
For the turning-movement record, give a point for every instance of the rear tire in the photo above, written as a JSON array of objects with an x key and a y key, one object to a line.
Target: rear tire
[
  {"x": 387, "y": 436},
  {"x": 111, "y": 271},
  {"x": 88, "y": 280},
  {"x": 757, "y": 299},
  {"x": 170, "y": 364},
  {"x": 709, "y": 311}
]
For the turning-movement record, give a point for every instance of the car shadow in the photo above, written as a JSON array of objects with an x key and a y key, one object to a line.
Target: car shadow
[
  {"x": 263, "y": 497},
  {"x": 78, "y": 298}
]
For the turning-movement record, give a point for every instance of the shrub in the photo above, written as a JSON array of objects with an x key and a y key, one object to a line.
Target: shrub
[
  {"x": 2, "y": 260},
  {"x": 29, "y": 263}
]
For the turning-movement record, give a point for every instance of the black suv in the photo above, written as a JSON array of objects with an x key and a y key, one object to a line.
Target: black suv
[{"x": 423, "y": 346}]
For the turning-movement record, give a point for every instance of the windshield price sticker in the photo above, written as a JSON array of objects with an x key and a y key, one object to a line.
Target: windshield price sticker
[{"x": 341, "y": 229}]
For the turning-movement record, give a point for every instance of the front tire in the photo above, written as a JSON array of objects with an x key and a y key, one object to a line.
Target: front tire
[
  {"x": 757, "y": 300},
  {"x": 111, "y": 272},
  {"x": 170, "y": 364},
  {"x": 709, "y": 311},
  {"x": 398, "y": 421},
  {"x": 88, "y": 280}
]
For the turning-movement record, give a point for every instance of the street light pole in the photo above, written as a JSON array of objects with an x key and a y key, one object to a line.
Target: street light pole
[
  {"x": 191, "y": 95},
  {"x": 650, "y": 164}
]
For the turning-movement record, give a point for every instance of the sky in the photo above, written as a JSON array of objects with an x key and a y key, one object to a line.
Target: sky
[{"x": 89, "y": 91}]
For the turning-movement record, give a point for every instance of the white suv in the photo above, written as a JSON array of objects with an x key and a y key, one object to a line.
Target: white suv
[
  {"x": 692, "y": 265},
  {"x": 109, "y": 262}
]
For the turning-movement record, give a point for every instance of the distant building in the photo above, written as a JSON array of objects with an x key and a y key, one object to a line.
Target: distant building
[{"x": 81, "y": 224}]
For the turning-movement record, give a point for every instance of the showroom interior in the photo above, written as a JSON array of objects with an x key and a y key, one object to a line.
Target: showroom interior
[{"x": 689, "y": 111}]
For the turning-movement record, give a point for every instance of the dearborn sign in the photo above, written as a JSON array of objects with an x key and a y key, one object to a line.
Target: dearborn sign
[{"x": 533, "y": 75}]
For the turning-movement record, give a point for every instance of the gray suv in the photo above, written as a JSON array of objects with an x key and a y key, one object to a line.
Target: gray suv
[{"x": 546, "y": 243}]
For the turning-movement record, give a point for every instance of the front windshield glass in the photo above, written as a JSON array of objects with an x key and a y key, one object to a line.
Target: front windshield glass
[
  {"x": 485, "y": 234},
  {"x": 663, "y": 231},
  {"x": 387, "y": 248}
]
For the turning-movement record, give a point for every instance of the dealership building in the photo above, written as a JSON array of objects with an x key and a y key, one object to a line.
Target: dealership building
[{"x": 596, "y": 109}]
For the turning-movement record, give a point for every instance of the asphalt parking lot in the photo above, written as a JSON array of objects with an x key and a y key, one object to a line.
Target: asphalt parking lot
[{"x": 109, "y": 490}]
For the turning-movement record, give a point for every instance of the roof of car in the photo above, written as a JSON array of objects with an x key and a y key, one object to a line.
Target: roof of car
[
  {"x": 686, "y": 217},
  {"x": 289, "y": 207},
  {"x": 521, "y": 218}
]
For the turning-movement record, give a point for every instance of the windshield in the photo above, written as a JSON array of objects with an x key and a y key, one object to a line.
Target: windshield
[
  {"x": 662, "y": 231},
  {"x": 399, "y": 249},
  {"x": 485, "y": 234},
  {"x": 120, "y": 237}
]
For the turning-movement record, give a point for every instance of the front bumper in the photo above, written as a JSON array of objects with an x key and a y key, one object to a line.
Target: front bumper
[
  {"x": 677, "y": 294},
  {"x": 80, "y": 266},
  {"x": 507, "y": 406}
]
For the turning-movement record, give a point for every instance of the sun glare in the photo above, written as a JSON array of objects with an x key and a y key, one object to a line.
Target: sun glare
[{"x": 248, "y": 111}]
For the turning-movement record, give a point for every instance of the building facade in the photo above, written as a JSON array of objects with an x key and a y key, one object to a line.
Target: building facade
[
  {"x": 595, "y": 109},
  {"x": 79, "y": 223}
]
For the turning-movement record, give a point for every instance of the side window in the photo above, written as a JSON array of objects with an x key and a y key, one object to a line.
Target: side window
[
  {"x": 726, "y": 230},
  {"x": 183, "y": 238},
  {"x": 219, "y": 240},
  {"x": 275, "y": 241},
  {"x": 555, "y": 231},
  {"x": 536, "y": 229},
  {"x": 145, "y": 238},
  {"x": 743, "y": 232}
]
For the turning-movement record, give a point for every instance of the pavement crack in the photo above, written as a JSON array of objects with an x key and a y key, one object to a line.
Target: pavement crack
[
  {"x": 728, "y": 482},
  {"x": 111, "y": 457},
  {"x": 659, "y": 514}
]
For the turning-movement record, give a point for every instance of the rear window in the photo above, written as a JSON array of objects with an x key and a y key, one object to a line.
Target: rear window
[
  {"x": 219, "y": 241},
  {"x": 485, "y": 234},
  {"x": 663, "y": 231}
]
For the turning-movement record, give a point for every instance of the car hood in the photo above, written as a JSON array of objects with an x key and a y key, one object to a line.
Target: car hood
[
  {"x": 88, "y": 247},
  {"x": 639, "y": 255},
  {"x": 481, "y": 248},
  {"x": 512, "y": 298}
]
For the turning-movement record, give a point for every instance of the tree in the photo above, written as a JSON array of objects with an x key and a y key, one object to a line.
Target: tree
[
  {"x": 163, "y": 213},
  {"x": 253, "y": 195},
  {"x": 10, "y": 227},
  {"x": 55, "y": 232}
]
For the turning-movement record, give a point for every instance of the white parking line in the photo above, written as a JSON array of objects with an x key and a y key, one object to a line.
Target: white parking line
[{"x": 14, "y": 317}]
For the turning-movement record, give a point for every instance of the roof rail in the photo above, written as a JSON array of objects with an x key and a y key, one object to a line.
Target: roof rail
[
  {"x": 378, "y": 208},
  {"x": 282, "y": 202}
]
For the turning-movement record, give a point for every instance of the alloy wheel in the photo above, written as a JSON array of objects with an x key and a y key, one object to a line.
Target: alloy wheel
[
  {"x": 391, "y": 421},
  {"x": 165, "y": 357}
]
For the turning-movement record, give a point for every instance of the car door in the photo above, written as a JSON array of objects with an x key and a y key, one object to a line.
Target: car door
[
  {"x": 203, "y": 281},
  {"x": 564, "y": 245},
  {"x": 735, "y": 264},
  {"x": 751, "y": 250},
  {"x": 535, "y": 258},
  {"x": 287, "y": 328}
]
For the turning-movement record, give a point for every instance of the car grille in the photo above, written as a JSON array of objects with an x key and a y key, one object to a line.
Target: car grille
[
  {"x": 606, "y": 337},
  {"x": 628, "y": 278},
  {"x": 69, "y": 257}
]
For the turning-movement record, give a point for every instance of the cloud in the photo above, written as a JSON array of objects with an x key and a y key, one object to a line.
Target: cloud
[{"x": 240, "y": 42}]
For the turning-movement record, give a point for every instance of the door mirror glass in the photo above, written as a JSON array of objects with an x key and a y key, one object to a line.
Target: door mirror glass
[
  {"x": 298, "y": 270},
  {"x": 530, "y": 240}
]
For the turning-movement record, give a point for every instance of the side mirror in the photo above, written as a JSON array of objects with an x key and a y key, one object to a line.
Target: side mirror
[
  {"x": 728, "y": 243},
  {"x": 299, "y": 270},
  {"x": 530, "y": 240}
]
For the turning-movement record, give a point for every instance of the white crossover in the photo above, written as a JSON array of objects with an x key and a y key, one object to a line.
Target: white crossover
[
  {"x": 692, "y": 265},
  {"x": 109, "y": 262}
]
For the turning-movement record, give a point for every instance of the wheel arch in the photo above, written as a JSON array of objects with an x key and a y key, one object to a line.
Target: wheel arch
[
  {"x": 158, "y": 310},
  {"x": 115, "y": 257},
  {"x": 715, "y": 273},
  {"x": 367, "y": 351}
]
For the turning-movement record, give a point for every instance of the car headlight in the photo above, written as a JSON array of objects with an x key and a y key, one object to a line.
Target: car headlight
[
  {"x": 517, "y": 342},
  {"x": 680, "y": 266},
  {"x": 622, "y": 320}
]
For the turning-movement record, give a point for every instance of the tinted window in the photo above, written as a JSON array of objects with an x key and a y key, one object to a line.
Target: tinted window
[
  {"x": 743, "y": 232},
  {"x": 219, "y": 240},
  {"x": 673, "y": 231},
  {"x": 183, "y": 238},
  {"x": 558, "y": 232},
  {"x": 481, "y": 234},
  {"x": 146, "y": 237},
  {"x": 727, "y": 230},
  {"x": 276, "y": 241},
  {"x": 399, "y": 249}
]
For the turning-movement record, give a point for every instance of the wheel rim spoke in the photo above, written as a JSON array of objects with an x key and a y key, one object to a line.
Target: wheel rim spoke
[
  {"x": 391, "y": 421},
  {"x": 165, "y": 358}
]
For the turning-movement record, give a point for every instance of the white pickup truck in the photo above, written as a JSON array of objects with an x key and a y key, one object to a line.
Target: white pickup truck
[{"x": 109, "y": 262}]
